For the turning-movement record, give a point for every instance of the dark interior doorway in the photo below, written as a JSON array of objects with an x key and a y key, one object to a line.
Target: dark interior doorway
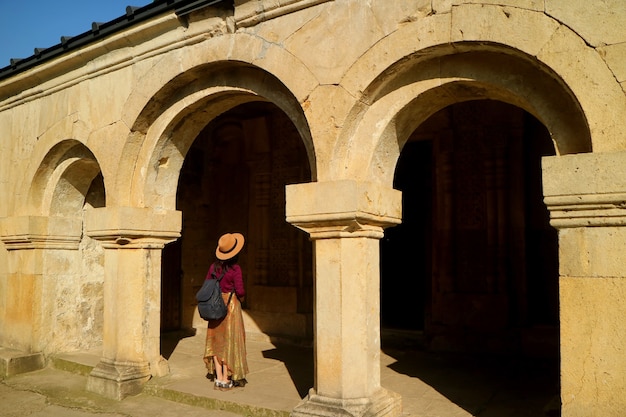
[
  {"x": 474, "y": 265},
  {"x": 406, "y": 248},
  {"x": 233, "y": 180},
  {"x": 171, "y": 287}
]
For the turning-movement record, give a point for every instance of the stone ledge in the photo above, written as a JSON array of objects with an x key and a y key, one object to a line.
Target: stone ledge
[
  {"x": 75, "y": 363},
  {"x": 40, "y": 232},
  {"x": 155, "y": 389},
  {"x": 15, "y": 362},
  {"x": 251, "y": 13}
]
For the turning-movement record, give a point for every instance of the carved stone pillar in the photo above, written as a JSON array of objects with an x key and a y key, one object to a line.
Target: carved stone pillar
[
  {"x": 345, "y": 219},
  {"x": 132, "y": 239},
  {"x": 586, "y": 196},
  {"x": 39, "y": 251}
]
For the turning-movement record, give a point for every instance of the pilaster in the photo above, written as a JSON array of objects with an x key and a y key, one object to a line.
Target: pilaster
[
  {"x": 38, "y": 247},
  {"x": 586, "y": 196},
  {"x": 345, "y": 219},
  {"x": 133, "y": 239}
]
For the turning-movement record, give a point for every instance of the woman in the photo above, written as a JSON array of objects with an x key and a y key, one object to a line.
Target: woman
[{"x": 225, "y": 351}]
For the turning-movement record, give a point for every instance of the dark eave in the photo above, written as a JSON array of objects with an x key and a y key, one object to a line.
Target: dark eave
[{"x": 133, "y": 16}]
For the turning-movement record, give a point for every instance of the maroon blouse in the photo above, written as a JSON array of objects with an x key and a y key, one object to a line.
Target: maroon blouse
[{"x": 233, "y": 279}]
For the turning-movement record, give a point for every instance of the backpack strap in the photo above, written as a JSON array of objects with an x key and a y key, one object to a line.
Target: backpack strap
[
  {"x": 229, "y": 297},
  {"x": 218, "y": 280},
  {"x": 221, "y": 276}
]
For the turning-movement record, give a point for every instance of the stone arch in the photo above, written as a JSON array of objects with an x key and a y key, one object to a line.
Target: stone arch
[
  {"x": 62, "y": 180},
  {"x": 416, "y": 88},
  {"x": 172, "y": 119},
  {"x": 219, "y": 51},
  {"x": 550, "y": 49}
]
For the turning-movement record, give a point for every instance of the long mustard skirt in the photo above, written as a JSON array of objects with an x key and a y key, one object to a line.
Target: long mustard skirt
[{"x": 226, "y": 339}]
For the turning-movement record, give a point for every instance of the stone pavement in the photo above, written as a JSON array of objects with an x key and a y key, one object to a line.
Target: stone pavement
[
  {"x": 280, "y": 375},
  {"x": 54, "y": 393}
]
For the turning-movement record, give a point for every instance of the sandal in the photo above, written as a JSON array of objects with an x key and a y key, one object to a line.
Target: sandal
[
  {"x": 240, "y": 383},
  {"x": 223, "y": 386}
]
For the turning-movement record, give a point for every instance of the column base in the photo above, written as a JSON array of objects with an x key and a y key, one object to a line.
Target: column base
[
  {"x": 383, "y": 403},
  {"x": 118, "y": 380}
]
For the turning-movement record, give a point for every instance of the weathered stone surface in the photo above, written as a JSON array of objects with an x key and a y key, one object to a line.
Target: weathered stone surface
[
  {"x": 14, "y": 362},
  {"x": 537, "y": 5},
  {"x": 599, "y": 95},
  {"x": 594, "y": 173},
  {"x": 411, "y": 37},
  {"x": 322, "y": 36},
  {"x": 598, "y": 23},
  {"x": 525, "y": 30},
  {"x": 615, "y": 57},
  {"x": 593, "y": 344}
]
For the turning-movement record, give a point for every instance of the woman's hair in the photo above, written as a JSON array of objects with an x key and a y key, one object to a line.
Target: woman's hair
[{"x": 226, "y": 264}]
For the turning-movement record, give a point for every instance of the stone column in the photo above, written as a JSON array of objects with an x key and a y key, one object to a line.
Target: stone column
[
  {"x": 39, "y": 251},
  {"x": 132, "y": 239},
  {"x": 345, "y": 219},
  {"x": 586, "y": 196}
]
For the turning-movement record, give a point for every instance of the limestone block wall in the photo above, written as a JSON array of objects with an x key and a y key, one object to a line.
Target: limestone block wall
[
  {"x": 72, "y": 301},
  {"x": 4, "y": 293},
  {"x": 584, "y": 194}
]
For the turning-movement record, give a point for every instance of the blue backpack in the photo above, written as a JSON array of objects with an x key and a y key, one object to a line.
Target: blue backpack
[{"x": 210, "y": 302}]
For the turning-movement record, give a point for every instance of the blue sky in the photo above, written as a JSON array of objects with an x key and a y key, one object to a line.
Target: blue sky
[{"x": 29, "y": 24}]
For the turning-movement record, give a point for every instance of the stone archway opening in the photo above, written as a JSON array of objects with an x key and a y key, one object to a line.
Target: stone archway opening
[
  {"x": 475, "y": 257},
  {"x": 233, "y": 179},
  {"x": 67, "y": 179},
  {"x": 66, "y": 185}
]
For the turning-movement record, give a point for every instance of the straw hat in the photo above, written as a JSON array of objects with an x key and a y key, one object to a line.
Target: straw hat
[{"x": 229, "y": 245}]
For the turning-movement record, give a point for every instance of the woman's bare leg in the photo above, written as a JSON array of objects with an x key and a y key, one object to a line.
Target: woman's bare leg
[
  {"x": 219, "y": 374},
  {"x": 225, "y": 372}
]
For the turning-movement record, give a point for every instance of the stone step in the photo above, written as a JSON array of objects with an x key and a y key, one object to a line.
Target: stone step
[
  {"x": 82, "y": 363},
  {"x": 14, "y": 362}
]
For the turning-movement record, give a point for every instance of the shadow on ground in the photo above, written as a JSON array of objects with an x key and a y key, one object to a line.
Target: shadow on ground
[
  {"x": 430, "y": 383},
  {"x": 169, "y": 340},
  {"x": 483, "y": 385},
  {"x": 299, "y": 364}
]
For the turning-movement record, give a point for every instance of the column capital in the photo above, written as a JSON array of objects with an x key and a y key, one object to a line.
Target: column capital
[
  {"x": 40, "y": 232},
  {"x": 343, "y": 208},
  {"x": 133, "y": 227},
  {"x": 585, "y": 190}
]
